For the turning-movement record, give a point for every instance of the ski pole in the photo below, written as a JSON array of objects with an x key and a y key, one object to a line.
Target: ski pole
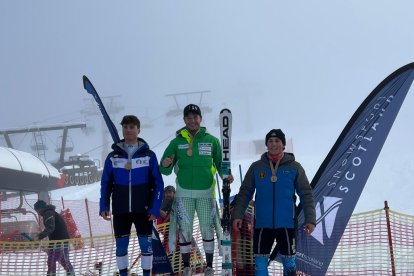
[
  {"x": 240, "y": 171},
  {"x": 218, "y": 187}
]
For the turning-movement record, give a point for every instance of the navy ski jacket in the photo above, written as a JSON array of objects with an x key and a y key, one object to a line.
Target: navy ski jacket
[
  {"x": 134, "y": 183},
  {"x": 275, "y": 202}
]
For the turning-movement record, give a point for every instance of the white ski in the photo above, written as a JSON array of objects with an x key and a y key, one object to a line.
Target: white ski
[{"x": 225, "y": 134}]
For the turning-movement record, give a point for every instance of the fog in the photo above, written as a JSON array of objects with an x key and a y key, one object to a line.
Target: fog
[{"x": 304, "y": 68}]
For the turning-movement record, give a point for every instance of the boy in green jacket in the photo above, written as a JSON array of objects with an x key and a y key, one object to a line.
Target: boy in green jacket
[{"x": 195, "y": 155}]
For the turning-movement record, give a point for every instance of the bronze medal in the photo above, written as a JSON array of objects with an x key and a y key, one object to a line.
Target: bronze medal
[
  {"x": 273, "y": 169},
  {"x": 190, "y": 152},
  {"x": 128, "y": 166}
]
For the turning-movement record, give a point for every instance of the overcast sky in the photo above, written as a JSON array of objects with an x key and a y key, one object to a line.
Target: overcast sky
[{"x": 304, "y": 68}]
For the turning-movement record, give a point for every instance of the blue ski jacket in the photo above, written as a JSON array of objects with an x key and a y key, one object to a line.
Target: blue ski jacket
[
  {"x": 275, "y": 202},
  {"x": 134, "y": 182}
]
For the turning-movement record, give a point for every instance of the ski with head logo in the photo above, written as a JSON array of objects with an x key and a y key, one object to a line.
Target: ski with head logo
[{"x": 225, "y": 135}]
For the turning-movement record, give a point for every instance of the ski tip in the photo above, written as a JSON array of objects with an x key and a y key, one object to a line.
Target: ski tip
[
  {"x": 225, "y": 110},
  {"x": 87, "y": 85},
  {"x": 84, "y": 79}
]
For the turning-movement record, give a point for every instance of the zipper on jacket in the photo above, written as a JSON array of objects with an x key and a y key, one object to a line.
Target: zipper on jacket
[
  {"x": 273, "y": 209},
  {"x": 130, "y": 156},
  {"x": 130, "y": 192},
  {"x": 130, "y": 186}
]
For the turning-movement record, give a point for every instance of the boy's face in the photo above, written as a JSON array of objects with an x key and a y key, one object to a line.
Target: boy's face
[
  {"x": 192, "y": 122},
  {"x": 130, "y": 133},
  {"x": 169, "y": 195},
  {"x": 275, "y": 145}
]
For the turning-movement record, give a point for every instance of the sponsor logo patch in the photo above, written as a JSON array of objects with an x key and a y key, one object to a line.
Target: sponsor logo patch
[
  {"x": 204, "y": 149},
  {"x": 185, "y": 146},
  {"x": 262, "y": 174}
]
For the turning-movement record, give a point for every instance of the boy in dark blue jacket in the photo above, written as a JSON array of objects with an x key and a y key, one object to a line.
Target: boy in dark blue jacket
[
  {"x": 275, "y": 179},
  {"x": 131, "y": 177}
]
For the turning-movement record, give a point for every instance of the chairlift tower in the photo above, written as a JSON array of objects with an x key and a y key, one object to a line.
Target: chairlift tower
[
  {"x": 38, "y": 143},
  {"x": 183, "y": 97}
]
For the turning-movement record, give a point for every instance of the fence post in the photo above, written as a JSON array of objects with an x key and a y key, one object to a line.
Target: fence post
[
  {"x": 89, "y": 222},
  {"x": 387, "y": 215}
]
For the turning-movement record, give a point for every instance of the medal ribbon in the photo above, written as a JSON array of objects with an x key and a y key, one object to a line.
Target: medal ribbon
[
  {"x": 190, "y": 148},
  {"x": 187, "y": 136},
  {"x": 274, "y": 169}
]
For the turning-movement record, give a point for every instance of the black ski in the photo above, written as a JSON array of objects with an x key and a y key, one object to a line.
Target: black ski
[{"x": 111, "y": 127}]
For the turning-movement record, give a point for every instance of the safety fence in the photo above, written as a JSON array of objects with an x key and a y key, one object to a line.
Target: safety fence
[{"x": 380, "y": 242}]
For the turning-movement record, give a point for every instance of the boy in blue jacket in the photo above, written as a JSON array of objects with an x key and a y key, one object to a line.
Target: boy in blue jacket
[
  {"x": 276, "y": 178},
  {"x": 132, "y": 179}
]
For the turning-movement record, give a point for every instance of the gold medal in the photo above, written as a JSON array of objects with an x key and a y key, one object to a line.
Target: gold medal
[
  {"x": 128, "y": 166},
  {"x": 190, "y": 152},
  {"x": 273, "y": 178}
]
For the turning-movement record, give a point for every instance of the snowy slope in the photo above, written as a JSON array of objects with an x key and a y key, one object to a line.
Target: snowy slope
[{"x": 376, "y": 191}]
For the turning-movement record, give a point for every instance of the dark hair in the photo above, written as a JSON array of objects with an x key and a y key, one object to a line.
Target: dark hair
[
  {"x": 40, "y": 204},
  {"x": 169, "y": 188},
  {"x": 192, "y": 108},
  {"x": 131, "y": 119}
]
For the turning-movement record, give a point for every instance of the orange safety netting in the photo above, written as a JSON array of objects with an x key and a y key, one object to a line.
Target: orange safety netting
[{"x": 363, "y": 250}]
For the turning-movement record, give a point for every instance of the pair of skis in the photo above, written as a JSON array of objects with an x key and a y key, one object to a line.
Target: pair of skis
[{"x": 225, "y": 135}]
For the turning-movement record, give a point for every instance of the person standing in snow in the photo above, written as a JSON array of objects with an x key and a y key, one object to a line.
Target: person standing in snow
[
  {"x": 276, "y": 177},
  {"x": 132, "y": 178},
  {"x": 57, "y": 232},
  {"x": 195, "y": 155},
  {"x": 167, "y": 202}
]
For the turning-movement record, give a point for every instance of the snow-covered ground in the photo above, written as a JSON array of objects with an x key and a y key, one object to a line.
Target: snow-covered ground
[{"x": 376, "y": 191}]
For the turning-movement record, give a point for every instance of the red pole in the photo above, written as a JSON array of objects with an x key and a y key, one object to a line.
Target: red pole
[
  {"x": 89, "y": 221},
  {"x": 387, "y": 215}
]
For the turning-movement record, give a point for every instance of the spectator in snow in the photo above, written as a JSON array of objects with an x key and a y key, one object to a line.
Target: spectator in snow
[
  {"x": 56, "y": 230},
  {"x": 132, "y": 178},
  {"x": 167, "y": 202},
  {"x": 165, "y": 212},
  {"x": 276, "y": 177}
]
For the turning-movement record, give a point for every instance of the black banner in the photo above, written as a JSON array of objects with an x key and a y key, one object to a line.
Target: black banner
[{"x": 341, "y": 178}]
